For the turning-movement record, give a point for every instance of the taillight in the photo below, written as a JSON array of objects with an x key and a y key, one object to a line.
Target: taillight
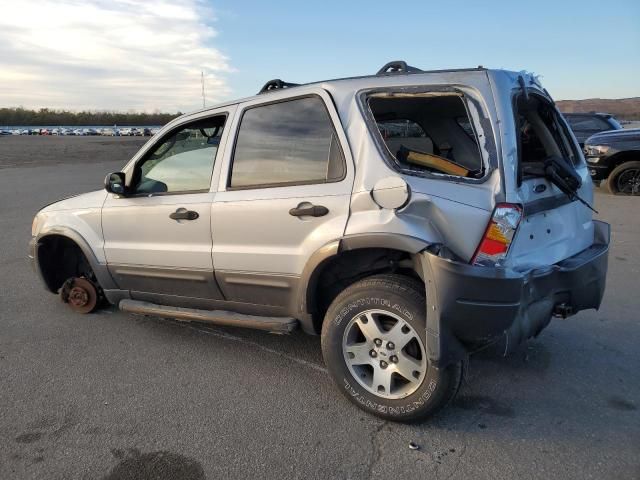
[{"x": 498, "y": 236}]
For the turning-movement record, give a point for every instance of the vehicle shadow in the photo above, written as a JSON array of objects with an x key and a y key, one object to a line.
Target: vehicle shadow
[{"x": 531, "y": 394}]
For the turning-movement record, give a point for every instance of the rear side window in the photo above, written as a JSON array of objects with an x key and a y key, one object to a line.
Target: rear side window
[
  {"x": 428, "y": 134},
  {"x": 286, "y": 143}
]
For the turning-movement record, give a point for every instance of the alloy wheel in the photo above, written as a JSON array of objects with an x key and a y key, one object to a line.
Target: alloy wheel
[
  {"x": 384, "y": 353},
  {"x": 628, "y": 182}
]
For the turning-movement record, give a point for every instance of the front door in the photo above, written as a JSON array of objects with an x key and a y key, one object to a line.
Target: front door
[
  {"x": 284, "y": 193},
  {"x": 157, "y": 237}
]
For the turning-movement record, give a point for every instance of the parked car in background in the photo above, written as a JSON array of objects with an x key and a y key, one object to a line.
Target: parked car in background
[
  {"x": 5, "y": 132},
  {"x": 91, "y": 131},
  {"x": 406, "y": 251},
  {"x": 146, "y": 132},
  {"x": 584, "y": 125},
  {"x": 614, "y": 157},
  {"x": 125, "y": 132}
]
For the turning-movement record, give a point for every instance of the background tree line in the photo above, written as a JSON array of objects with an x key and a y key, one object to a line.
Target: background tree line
[{"x": 44, "y": 116}]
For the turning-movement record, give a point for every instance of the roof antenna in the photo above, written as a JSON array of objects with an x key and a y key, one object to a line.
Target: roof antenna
[{"x": 202, "y": 79}]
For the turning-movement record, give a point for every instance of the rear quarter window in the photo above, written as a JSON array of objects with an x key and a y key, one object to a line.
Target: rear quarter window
[{"x": 428, "y": 134}]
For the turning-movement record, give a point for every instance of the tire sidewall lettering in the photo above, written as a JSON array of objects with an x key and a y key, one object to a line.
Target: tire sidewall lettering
[
  {"x": 407, "y": 408},
  {"x": 371, "y": 302}
]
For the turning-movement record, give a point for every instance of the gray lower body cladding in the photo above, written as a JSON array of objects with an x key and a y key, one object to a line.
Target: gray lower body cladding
[{"x": 469, "y": 307}]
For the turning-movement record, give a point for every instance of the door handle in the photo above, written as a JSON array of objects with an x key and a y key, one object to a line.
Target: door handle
[
  {"x": 309, "y": 211},
  {"x": 184, "y": 214}
]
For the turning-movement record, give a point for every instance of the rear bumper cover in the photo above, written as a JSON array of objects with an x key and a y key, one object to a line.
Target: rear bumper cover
[{"x": 470, "y": 307}]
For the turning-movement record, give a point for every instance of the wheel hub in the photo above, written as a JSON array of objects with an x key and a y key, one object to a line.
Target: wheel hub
[
  {"x": 80, "y": 294},
  {"x": 628, "y": 182},
  {"x": 78, "y": 297},
  {"x": 384, "y": 354}
]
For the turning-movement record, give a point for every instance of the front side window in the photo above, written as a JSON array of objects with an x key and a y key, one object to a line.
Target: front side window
[
  {"x": 290, "y": 142},
  {"x": 182, "y": 161},
  {"x": 429, "y": 134}
]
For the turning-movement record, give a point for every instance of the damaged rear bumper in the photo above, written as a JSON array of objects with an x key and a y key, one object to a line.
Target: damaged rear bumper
[{"x": 469, "y": 307}]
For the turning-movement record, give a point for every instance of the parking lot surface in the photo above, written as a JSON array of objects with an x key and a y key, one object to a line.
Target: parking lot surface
[{"x": 113, "y": 396}]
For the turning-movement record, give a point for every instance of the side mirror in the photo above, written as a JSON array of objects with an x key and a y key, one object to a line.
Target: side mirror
[{"x": 114, "y": 183}]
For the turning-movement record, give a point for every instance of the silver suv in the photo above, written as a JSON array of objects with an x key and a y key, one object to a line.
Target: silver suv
[{"x": 409, "y": 217}]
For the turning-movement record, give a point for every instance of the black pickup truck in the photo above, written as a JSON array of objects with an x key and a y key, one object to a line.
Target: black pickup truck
[{"x": 614, "y": 157}]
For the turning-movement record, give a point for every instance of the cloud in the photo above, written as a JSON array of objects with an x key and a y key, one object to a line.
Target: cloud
[{"x": 116, "y": 55}]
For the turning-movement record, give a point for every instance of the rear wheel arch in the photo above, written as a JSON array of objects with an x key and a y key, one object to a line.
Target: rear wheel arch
[{"x": 350, "y": 259}]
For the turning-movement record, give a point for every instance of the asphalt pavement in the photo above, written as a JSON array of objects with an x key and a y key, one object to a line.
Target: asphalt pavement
[{"x": 114, "y": 396}]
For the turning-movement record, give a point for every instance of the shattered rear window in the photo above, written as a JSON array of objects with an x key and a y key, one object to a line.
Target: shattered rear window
[{"x": 541, "y": 135}]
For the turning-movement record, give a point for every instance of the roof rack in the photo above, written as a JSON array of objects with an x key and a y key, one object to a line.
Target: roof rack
[
  {"x": 397, "y": 66},
  {"x": 276, "y": 84}
]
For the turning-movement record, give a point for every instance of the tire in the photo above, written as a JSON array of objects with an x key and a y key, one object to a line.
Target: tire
[
  {"x": 394, "y": 308},
  {"x": 620, "y": 173}
]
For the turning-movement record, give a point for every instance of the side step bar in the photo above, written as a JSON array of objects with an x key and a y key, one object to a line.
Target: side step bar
[{"x": 219, "y": 317}]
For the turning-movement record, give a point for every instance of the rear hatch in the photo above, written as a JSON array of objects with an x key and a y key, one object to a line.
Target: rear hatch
[{"x": 555, "y": 225}]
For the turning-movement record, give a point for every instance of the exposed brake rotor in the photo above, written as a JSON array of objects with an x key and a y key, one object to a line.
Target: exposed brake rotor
[{"x": 80, "y": 294}]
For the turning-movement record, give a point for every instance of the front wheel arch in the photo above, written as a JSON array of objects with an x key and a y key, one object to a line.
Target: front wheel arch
[
  {"x": 70, "y": 236},
  {"x": 60, "y": 258}
]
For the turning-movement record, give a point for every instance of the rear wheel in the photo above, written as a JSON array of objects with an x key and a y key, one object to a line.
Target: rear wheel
[
  {"x": 625, "y": 179},
  {"x": 373, "y": 342}
]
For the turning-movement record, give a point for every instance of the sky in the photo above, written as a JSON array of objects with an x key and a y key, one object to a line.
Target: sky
[{"x": 147, "y": 55}]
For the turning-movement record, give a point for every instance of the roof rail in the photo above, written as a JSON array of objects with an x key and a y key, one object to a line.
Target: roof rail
[
  {"x": 276, "y": 84},
  {"x": 397, "y": 66}
]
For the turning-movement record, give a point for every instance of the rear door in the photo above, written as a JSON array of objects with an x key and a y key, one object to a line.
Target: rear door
[{"x": 284, "y": 192}]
